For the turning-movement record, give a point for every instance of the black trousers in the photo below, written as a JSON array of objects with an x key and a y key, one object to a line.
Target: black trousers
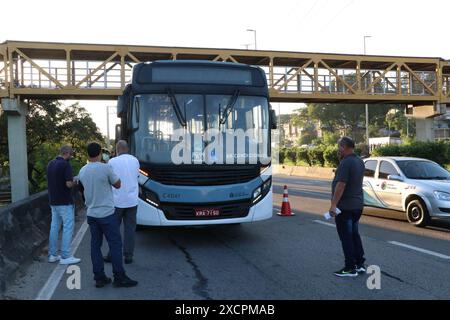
[{"x": 347, "y": 227}]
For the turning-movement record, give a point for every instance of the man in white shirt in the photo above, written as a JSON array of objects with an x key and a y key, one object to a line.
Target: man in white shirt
[{"x": 126, "y": 167}]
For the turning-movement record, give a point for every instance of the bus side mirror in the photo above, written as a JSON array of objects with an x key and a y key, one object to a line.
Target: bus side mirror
[
  {"x": 118, "y": 132},
  {"x": 121, "y": 106},
  {"x": 136, "y": 109},
  {"x": 123, "y": 101},
  {"x": 273, "y": 119}
]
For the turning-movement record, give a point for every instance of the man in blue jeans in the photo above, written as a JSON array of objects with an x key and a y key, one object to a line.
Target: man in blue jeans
[
  {"x": 347, "y": 196},
  {"x": 96, "y": 179},
  {"x": 60, "y": 182}
]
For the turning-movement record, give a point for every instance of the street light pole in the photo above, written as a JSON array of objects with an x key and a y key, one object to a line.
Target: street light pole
[
  {"x": 367, "y": 106},
  {"x": 107, "y": 123},
  {"x": 254, "y": 31}
]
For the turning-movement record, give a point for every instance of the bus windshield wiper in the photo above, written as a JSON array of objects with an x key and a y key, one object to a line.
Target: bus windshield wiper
[
  {"x": 176, "y": 107},
  {"x": 230, "y": 105}
]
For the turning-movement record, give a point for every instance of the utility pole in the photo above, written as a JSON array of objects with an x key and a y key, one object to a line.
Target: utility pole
[
  {"x": 108, "y": 112},
  {"x": 254, "y": 32},
  {"x": 367, "y": 106}
]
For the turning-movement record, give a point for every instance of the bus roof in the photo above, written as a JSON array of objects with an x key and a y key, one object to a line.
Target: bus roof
[{"x": 197, "y": 72}]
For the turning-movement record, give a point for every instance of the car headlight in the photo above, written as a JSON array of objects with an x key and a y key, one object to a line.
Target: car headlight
[{"x": 440, "y": 195}]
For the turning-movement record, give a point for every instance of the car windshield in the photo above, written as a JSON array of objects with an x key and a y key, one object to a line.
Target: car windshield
[{"x": 427, "y": 170}]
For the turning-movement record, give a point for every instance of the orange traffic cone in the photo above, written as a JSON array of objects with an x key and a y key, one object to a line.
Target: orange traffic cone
[{"x": 286, "y": 207}]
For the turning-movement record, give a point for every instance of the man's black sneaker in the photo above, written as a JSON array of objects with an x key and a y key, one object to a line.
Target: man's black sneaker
[
  {"x": 102, "y": 282},
  {"x": 346, "y": 273},
  {"x": 128, "y": 260},
  {"x": 124, "y": 282},
  {"x": 107, "y": 259},
  {"x": 361, "y": 269}
]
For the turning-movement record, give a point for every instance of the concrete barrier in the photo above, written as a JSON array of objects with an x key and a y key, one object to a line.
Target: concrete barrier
[
  {"x": 310, "y": 172},
  {"x": 24, "y": 230}
]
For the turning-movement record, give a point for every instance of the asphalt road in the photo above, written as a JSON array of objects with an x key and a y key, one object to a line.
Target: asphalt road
[{"x": 281, "y": 258}]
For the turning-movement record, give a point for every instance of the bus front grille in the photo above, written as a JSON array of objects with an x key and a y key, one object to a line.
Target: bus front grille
[
  {"x": 204, "y": 176},
  {"x": 186, "y": 211}
]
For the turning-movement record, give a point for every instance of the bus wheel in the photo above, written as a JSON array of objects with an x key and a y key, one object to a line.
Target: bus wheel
[{"x": 417, "y": 213}]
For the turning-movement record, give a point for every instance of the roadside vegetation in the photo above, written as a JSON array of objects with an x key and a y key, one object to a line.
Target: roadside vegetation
[
  {"x": 48, "y": 127},
  {"x": 336, "y": 120}
]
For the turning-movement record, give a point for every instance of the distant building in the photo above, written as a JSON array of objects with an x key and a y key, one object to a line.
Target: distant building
[
  {"x": 383, "y": 141},
  {"x": 291, "y": 133},
  {"x": 442, "y": 127},
  {"x": 432, "y": 122}
]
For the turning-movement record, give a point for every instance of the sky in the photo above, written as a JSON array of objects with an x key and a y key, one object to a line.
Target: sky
[{"x": 396, "y": 27}]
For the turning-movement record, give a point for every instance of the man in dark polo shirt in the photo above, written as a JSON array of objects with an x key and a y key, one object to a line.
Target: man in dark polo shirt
[
  {"x": 60, "y": 182},
  {"x": 347, "y": 196}
]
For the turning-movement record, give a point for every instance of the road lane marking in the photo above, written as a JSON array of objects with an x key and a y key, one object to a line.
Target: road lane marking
[
  {"x": 433, "y": 253},
  {"x": 50, "y": 286},
  {"x": 325, "y": 223}
]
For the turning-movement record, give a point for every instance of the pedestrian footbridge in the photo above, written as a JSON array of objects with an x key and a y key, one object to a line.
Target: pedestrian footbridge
[
  {"x": 33, "y": 70},
  {"x": 98, "y": 71}
]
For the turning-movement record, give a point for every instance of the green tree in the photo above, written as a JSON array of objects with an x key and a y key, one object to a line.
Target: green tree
[
  {"x": 306, "y": 138},
  {"x": 48, "y": 127},
  {"x": 349, "y": 118},
  {"x": 396, "y": 120}
]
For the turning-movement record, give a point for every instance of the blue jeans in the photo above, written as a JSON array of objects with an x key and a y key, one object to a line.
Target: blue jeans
[
  {"x": 347, "y": 227},
  {"x": 110, "y": 228},
  {"x": 64, "y": 215}
]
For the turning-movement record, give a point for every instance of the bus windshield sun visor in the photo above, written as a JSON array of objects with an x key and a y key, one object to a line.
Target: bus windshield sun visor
[
  {"x": 176, "y": 107},
  {"x": 229, "y": 107}
]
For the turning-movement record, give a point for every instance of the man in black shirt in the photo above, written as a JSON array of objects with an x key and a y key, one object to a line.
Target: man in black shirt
[
  {"x": 348, "y": 197},
  {"x": 60, "y": 182}
]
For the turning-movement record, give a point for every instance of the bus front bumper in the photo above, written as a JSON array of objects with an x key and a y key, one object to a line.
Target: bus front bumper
[{"x": 151, "y": 216}]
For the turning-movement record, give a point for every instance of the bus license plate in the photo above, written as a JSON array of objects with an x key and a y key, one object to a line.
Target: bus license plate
[{"x": 207, "y": 212}]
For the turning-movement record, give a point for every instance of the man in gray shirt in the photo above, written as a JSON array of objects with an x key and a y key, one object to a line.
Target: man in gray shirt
[
  {"x": 348, "y": 197},
  {"x": 96, "y": 179}
]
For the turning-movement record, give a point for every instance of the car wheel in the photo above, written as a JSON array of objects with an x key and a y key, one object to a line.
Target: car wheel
[{"x": 417, "y": 213}]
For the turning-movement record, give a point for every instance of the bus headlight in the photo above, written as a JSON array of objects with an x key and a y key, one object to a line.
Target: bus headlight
[
  {"x": 443, "y": 196},
  {"x": 149, "y": 196},
  {"x": 256, "y": 193},
  {"x": 262, "y": 190}
]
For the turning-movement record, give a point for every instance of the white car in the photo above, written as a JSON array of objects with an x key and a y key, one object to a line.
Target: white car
[{"x": 418, "y": 187}]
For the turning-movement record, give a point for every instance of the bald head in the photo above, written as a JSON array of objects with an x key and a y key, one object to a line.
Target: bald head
[{"x": 121, "y": 147}]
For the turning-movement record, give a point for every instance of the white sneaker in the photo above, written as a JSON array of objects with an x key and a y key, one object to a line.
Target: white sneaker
[
  {"x": 70, "y": 260},
  {"x": 53, "y": 259}
]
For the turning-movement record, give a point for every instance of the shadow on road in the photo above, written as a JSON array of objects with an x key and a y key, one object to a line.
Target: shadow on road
[{"x": 437, "y": 225}]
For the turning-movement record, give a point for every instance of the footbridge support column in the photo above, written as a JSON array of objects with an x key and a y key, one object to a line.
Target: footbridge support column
[{"x": 16, "y": 112}]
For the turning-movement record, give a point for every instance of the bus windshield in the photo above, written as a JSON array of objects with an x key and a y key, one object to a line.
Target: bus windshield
[{"x": 159, "y": 125}]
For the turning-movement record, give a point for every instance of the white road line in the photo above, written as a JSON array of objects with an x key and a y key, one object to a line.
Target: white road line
[
  {"x": 433, "y": 253},
  {"x": 50, "y": 286},
  {"x": 325, "y": 223}
]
